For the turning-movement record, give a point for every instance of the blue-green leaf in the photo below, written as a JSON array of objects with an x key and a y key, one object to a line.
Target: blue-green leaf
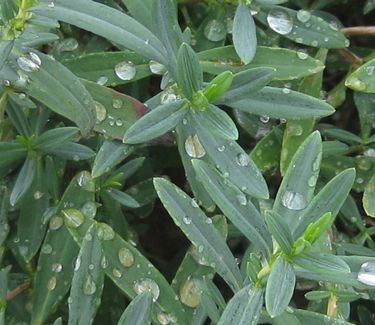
[{"x": 138, "y": 312}]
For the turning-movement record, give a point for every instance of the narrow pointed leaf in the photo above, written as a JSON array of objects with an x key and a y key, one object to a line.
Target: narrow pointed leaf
[
  {"x": 10, "y": 151},
  {"x": 321, "y": 263},
  {"x": 244, "y": 308},
  {"x": 280, "y": 287},
  {"x": 55, "y": 137},
  {"x": 280, "y": 231},
  {"x": 72, "y": 151},
  {"x": 363, "y": 79},
  {"x": 123, "y": 198},
  {"x": 244, "y": 34},
  {"x": 308, "y": 317},
  {"x": 5, "y": 49},
  {"x": 241, "y": 212},
  {"x": 159, "y": 121},
  {"x": 369, "y": 197},
  {"x": 138, "y": 311},
  {"x": 193, "y": 223}
]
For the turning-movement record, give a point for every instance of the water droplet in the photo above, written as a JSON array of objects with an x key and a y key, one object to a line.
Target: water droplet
[
  {"x": 27, "y": 64},
  {"x": 116, "y": 273},
  {"x": 119, "y": 122},
  {"x": 293, "y": 200},
  {"x": 38, "y": 195},
  {"x": 314, "y": 43},
  {"x": 77, "y": 264},
  {"x": 89, "y": 209},
  {"x": 312, "y": 180},
  {"x": 104, "y": 262},
  {"x": 241, "y": 198},
  {"x": 157, "y": 68},
  {"x": 359, "y": 180},
  {"x": 51, "y": 285},
  {"x": 102, "y": 80},
  {"x": 125, "y": 70},
  {"x": 144, "y": 285},
  {"x": 229, "y": 25},
  {"x": 193, "y": 147},
  {"x": 73, "y": 218},
  {"x": 366, "y": 273},
  {"x": 221, "y": 148},
  {"x": 117, "y": 103},
  {"x": 280, "y": 21},
  {"x": 85, "y": 181},
  {"x": 370, "y": 152},
  {"x": 23, "y": 250},
  {"x": 56, "y": 267},
  {"x": 126, "y": 257},
  {"x": 302, "y": 55},
  {"x": 215, "y": 30},
  {"x": 303, "y": 16},
  {"x": 194, "y": 203},
  {"x": 347, "y": 43},
  {"x": 101, "y": 112},
  {"x": 169, "y": 96},
  {"x": 334, "y": 26},
  {"x": 326, "y": 39},
  {"x": 190, "y": 292},
  {"x": 55, "y": 222},
  {"x": 165, "y": 318},
  {"x": 200, "y": 248},
  {"x": 46, "y": 249},
  {"x": 51, "y": 5},
  {"x": 264, "y": 119},
  {"x": 89, "y": 287},
  {"x": 370, "y": 70},
  {"x": 286, "y": 90},
  {"x": 184, "y": 121},
  {"x": 364, "y": 164},
  {"x": 242, "y": 159},
  {"x": 35, "y": 58},
  {"x": 68, "y": 45},
  {"x": 295, "y": 129},
  {"x": 209, "y": 221},
  {"x": 105, "y": 232},
  {"x": 187, "y": 220}
]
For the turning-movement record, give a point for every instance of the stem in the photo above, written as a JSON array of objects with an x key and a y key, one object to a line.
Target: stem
[
  {"x": 359, "y": 30},
  {"x": 350, "y": 57},
  {"x": 15, "y": 292},
  {"x": 332, "y": 306},
  {"x": 3, "y": 100}
]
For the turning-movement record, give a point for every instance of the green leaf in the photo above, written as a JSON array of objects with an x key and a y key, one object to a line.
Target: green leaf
[
  {"x": 189, "y": 72},
  {"x": 218, "y": 86},
  {"x": 72, "y": 151},
  {"x": 244, "y": 33},
  {"x": 369, "y": 197},
  {"x": 100, "y": 67},
  {"x": 287, "y": 63},
  {"x": 157, "y": 122},
  {"x": 54, "y": 271},
  {"x": 244, "y": 308},
  {"x": 10, "y": 151},
  {"x": 363, "y": 79},
  {"x": 109, "y": 155},
  {"x": 5, "y": 50},
  {"x": 23, "y": 181},
  {"x": 106, "y": 22},
  {"x": 318, "y": 228},
  {"x": 4, "y": 208},
  {"x": 302, "y": 27},
  {"x": 283, "y": 103},
  {"x": 193, "y": 222},
  {"x": 217, "y": 121},
  {"x": 280, "y": 231},
  {"x": 235, "y": 205},
  {"x": 297, "y": 187},
  {"x": 55, "y": 137},
  {"x": 247, "y": 82},
  {"x": 280, "y": 287},
  {"x": 329, "y": 199},
  {"x": 308, "y": 317},
  {"x": 138, "y": 311},
  {"x": 123, "y": 198},
  {"x": 60, "y": 90},
  {"x": 321, "y": 263},
  {"x": 88, "y": 280},
  {"x": 364, "y": 103},
  {"x": 142, "y": 11},
  {"x": 342, "y": 135}
]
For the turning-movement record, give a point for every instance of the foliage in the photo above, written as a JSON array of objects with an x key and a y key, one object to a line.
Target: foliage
[{"x": 187, "y": 162}]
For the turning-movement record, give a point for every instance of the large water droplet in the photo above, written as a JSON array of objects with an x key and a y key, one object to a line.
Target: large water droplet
[
  {"x": 356, "y": 83},
  {"x": 280, "y": 21},
  {"x": 51, "y": 285},
  {"x": 85, "y": 181},
  {"x": 67, "y": 45},
  {"x": 56, "y": 267},
  {"x": 73, "y": 218},
  {"x": 294, "y": 129},
  {"x": 125, "y": 70},
  {"x": 55, "y": 222},
  {"x": 126, "y": 257},
  {"x": 241, "y": 198},
  {"x": 101, "y": 112},
  {"x": 27, "y": 65},
  {"x": 303, "y": 16},
  {"x": 157, "y": 68},
  {"x": 366, "y": 273},
  {"x": 89, "y": 209},
  {"x": 190, "y": 292},
  {"x": 242, "y": 159},
  {"x": 89, "y": 287},
  {"x": 144, "y": 285},
  {"x": 165, "y": 318},
  {"x": 169, "y": 96},
  {"x": 105, "y": 232},
  {"x": 193, "y": 147},
  {"x": 46, "y": 249},
  {"x": 293, "y": 200},
  {"x": 215, "y": 30}
]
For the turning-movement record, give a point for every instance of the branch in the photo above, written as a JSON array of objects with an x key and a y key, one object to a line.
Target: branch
[
  {"x": 15, "y": 292},
  {"x": 359, "y": 30}
]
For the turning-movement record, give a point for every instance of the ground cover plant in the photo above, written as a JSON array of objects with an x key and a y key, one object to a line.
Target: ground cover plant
[{"x": 187, "y": 162}]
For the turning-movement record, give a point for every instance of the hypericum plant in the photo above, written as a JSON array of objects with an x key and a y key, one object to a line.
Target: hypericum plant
[{"x": 103, "y": 103}]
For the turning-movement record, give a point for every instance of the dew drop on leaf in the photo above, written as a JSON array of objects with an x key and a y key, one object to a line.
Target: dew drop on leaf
[
  {"x": 51, "y": 285},
  {"x": 101, "y": 112},
  {"x": 56, "y": 267},
  {"x": 116, "y": 273},
  {"x": 125, "y": 70},
  {"x": 55, "y": 222},
  {"x": 303, "y": 16},
  {"x": 144, "y": 285},
  {"x": 105, "y": 232},
  {"x": 77, "y": 264},
  {"x": 193, "y": 147},
  {"x": 187, "y": 220},
  {"x": 156, "y": 67},
  {"x": 241, "y": 198},
  {"x": 264, "y": 119},
  {"x": 215, "y": 30},
  {"x": 117, "y": 103},
  {"x": 280, "y": 21},
  {"x": 102, "y": 80},
  {"x": 366, "y": 273},
  {"x": 242, "y": 159},
  {"x": 293, "y": 200},
  {"x": 125, "y": 257},
  {"x": 27, "y": 64},
  {"x": 89, "y": 209},
  {"x": 165, "y": 319},
  {"x": 190, "y": 292},
  {"x": 46, "y": 249},
  {"x": 73, "y": 218}
]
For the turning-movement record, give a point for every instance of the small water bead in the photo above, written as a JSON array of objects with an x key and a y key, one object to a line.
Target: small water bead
[
  {"x": 116, "y": 273},
  {"x": 77, "y": 264},
  {"x": 187, "y": 220},
  {"x": 51, "y": 285},
  {"x": 184, "y": 121},
  {"x": 370, "y": 153},
  {"x": 221, "y": 148},
  {"x": 46, "y": 249},
  {"x": 105, "y": 232},
  {"x": 35, "y": 58},
  {"x": 314, "y": 43},
  {"x": 55, "y": 222},
  {"x": 302, "y": 55},
  {"x": 73, "y": 218},
  {"x": 104, "y": 262},
  {"x": 303, "y": 16},
  {"x": 89, "y": 287},
  {"x": 193, "y": 147},
  {"x": 209, "y": 221},
  {"x": 200, "y": 248},
  {"x": 280, "y": 21},
  {"x": 293, "y": 200},
  {"x": 370, "y": 70},
  {"x": 102, "y": 80},
  {"x": 156, "y": 67},
  {"x": 215, "y": 30},
  {"x": 366, "y": 274},
  {"x": 242, "y": 159},
  {"x": 117, "y": 103},
  {"x": 51, "y": 5},
  {"x": 125, "y": 70},
  {"x": 226, "y": 174},
  {"x": 101, "y": 112},
  {"x": 85, "y": 181},
  {"x": 165, "y": 318},
  {"x": 190, "y": 292},
  {"x": 89, "y": 209},
  {"x": 146, "y": 284},
  {"x": 333, "y": 25},
  {"x": 295, "y": 129},
  {"x": 169, "y": 96},
  {"x": 364, "y": 164},
  {"x": 316, "y": 163},
  {"x": 56, "y": 267},
  {"x": 38, "y": 195},
  {"x": 312, "y": 181},
  {"x": 326, "y": 39},
  {"x": 125, "y": 257},
  {"x": 359, "y": 180},
  {"x": 286, "y": 90},
  {"x": 299, "y": 40},
  {"x": 241, "y": 198},
  {"x": 264, "y": 119},
  {"x": 68, "y": 45},
  {"x": 194, "y": 203}
]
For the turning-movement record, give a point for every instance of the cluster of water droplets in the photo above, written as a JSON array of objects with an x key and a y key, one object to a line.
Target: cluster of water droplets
[
  {"x": 366, "y": 274},
  {"x": 29, "y": 63}
]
